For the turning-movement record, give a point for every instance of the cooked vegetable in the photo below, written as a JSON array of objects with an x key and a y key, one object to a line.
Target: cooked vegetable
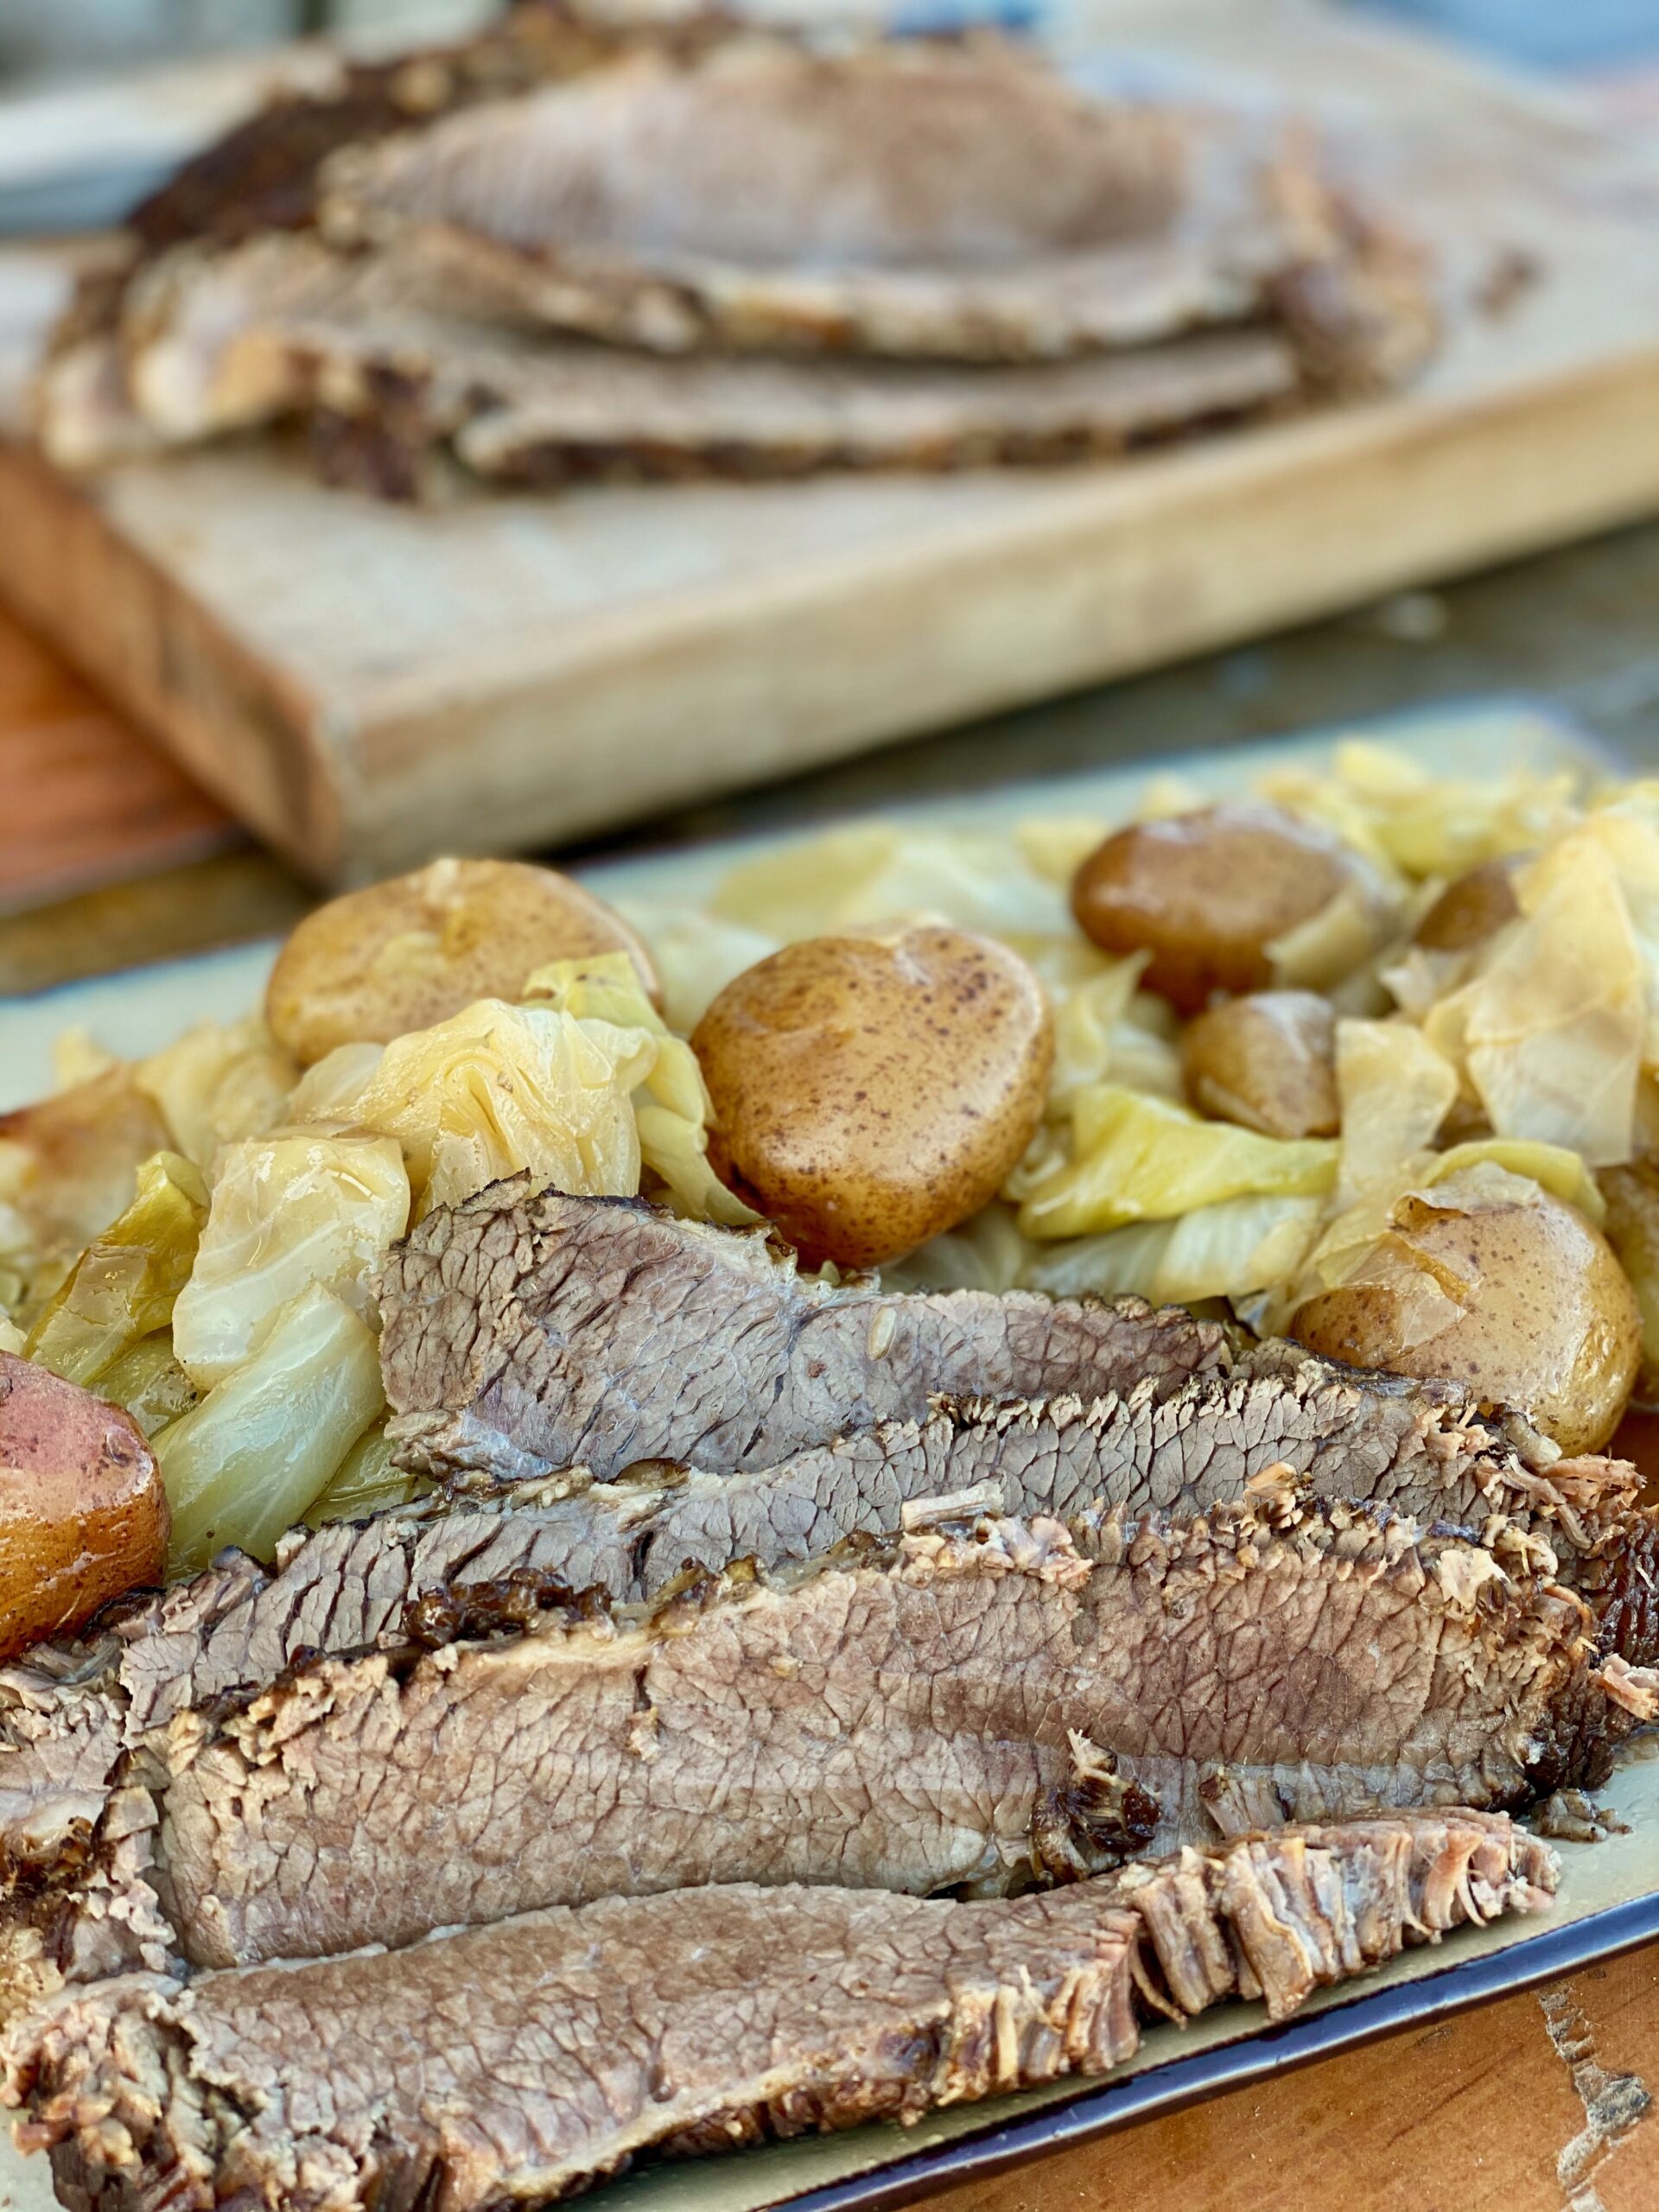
[
  {"x": 1632, "y": 1198},
  {"x": 217, "y": 1083},
  {"x": 367, "y": 1483},
  {"x": 126, "y": 1282},
  {"x": 1227, "y": 1250},
  {"x": 1383, "y": 803},
  {"x": 1395, "y": 1092},
  {"x": 259, "y": 1450},
  {"x": 412, "y": 953},
  {"x": 870, "y": 1092},
  {"x": 287, "y": 1211},
  {"x": 1488, "y": 1279},
  {"x": 1471, "y": 909},
  {"x": 1135, "y": 1158},
  {"x": 1208, "y": 894},
  {"x": 68, "y": 1165},
  {"x": 83, "y": 1516},
  {"x": 1266, "y": 1062},
  {"x": 147, "y": 1382}
]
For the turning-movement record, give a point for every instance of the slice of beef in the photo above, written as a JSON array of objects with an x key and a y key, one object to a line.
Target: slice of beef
[
  {"x": 955, "y": 1707},
  {"x": 528, "y": 1334},
  {"x": 526, "y": 2060}
]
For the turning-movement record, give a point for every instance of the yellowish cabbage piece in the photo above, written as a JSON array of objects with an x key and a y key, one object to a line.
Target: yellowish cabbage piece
[
  {"x": 873, "y": 873},
  {"x": 147, "y": 1380},
  {"x": 11, "y": 1336},
  {"x": 671, "y": 1102},
  {"x": 1395, "y": 1090},
  {"x": 258, "y": 1450},
  {"x": 985, "y": 1252},
  {"x": 126, "y": 1284},
  {"x": 696, "y": 954},
  {"x": 1135, "y": 1158},
  {"x": 220, "y": 1081},
  {"x": 1551, "y": 1028},
  {"x": 1389, "y": 806},
  {"x": 1104, "y": 1031},
  {"x": 1231, "y": 1249},
  {"x": 367, "y": 1483},
  {"x": 287, "y": 1211},
  {"x": 498, "y": 1089}
]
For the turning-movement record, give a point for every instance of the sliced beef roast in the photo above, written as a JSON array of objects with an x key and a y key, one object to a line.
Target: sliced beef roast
[
  {"x": 961, "y": 1706},
  {"x": 529, "y": 1334},
  {"x": 521, "y": 2062}
]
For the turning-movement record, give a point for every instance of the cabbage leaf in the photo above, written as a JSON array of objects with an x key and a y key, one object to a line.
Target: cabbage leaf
[{"x": 127, "y": 1282}]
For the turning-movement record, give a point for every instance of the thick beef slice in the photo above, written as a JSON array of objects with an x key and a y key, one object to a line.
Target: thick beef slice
[
  {"x": 520, "y": 2062},
  {"x": 529, "y": 1334},
  {"x": 953, "y": 1708}
]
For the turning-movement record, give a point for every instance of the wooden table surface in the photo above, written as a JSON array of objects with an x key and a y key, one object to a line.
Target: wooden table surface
[{"x": 1537, "y": 2103}]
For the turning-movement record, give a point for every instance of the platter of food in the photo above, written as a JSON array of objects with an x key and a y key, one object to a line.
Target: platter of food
[{"x": 865, "y": 1501}]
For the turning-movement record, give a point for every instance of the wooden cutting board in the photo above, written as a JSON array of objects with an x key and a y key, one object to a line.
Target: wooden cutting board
[{"x": 365, "y": 684}]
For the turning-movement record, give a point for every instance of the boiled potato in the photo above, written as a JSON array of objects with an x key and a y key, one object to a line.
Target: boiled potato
[
  {"x": 410, "y": 953},
  {"x": 1515, "y": 1295},
  {"x": 82, "y": 1512},
  {"x": 1472, "y": 908},
  {"x": 870, "y": 1092},
  {"x": 1206, "y": 894},
  {"x": 1268, "y": 1061}
]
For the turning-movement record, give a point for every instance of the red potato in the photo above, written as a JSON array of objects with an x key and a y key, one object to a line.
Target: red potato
[{"x": 83, "y": 1516}]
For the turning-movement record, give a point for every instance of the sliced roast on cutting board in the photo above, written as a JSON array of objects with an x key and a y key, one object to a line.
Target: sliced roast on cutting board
[
  {"x": 963, "y": 1705},
  {"x": 529, "y": 1333},
  {"x": 522, "y": 2062}
]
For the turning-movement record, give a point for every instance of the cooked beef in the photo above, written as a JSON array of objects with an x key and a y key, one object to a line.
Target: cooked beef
[
  {"x": 763, "y": 196},
  {"x": 528, "y": 1334},
  {"x": 524, "y": 2061},
  {"x": 951, "y": 1708}
]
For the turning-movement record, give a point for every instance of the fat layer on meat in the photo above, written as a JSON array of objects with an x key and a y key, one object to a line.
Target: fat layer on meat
[
  {"x": 957, "y": 1707},
  {"x": 524, "y": 2061}
]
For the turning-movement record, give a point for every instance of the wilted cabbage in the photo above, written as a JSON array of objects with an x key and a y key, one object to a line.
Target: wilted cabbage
[
  {"x": 1388, "y": 805},
  {"x": 11, "y": 1336},
  {"x": 220, "y": 1081},
  {"x": 1395, "y": 1090},
  {"x": 68, "y": 1165},
  {"x": 124, "y": 1285},
  {"x": 670, "y": 1103},
  {"x": 149, "y": 1381},
  {"x": 367, "y": 1483},
  {"x": 695, "y": 955},
  {"x": 1099, "y": 1038},
  {"x": 873, "y": 873},
  {"x": 1227, "y": 1250},
  {"x": 1133, "y": 1157},
  {"x": 287, "y": 1211},
  {"x": 258, "y": 1450},
  {"x": 984, "y": 1253}
]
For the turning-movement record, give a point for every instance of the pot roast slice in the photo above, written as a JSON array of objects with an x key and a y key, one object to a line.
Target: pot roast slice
[
  {"x": 526, "y": 1334},
  {"x": 961, "y": 1705},
  {"x": 963, "y": 202},
  {"x": 524, "y": 2061}
]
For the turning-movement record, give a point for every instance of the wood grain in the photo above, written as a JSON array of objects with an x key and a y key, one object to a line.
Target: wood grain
[{"x": 364, "y": 685}]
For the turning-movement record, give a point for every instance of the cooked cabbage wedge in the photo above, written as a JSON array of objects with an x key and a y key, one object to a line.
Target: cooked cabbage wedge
[
  {"x": 367, "y": 1483},
  {"x": 1231, "y": 1249},
  {"x": 220, "y": 1081},
  {"x": 126, "y": 1283},
  {"x": 1394, "y": 1089},
  {"x": 1137, "y": 1158},
  {"x": 287, "y": 1211},
  {"x": 259, "y": 1450},
  {"x": 149, "y": 1381}
]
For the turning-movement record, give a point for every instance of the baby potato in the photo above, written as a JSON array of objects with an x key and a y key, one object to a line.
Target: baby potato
[
  {"x": 1472, "y": 908},
  {"x": 1268, "y": 1062},
  {"x": 1206, "y": 893},
  {"x": 408, "y": 954},
  {"x": 1519, "y": 1298},
  {"x": 83, "y": 1516},
  {"x": 871, "y": 1091}
]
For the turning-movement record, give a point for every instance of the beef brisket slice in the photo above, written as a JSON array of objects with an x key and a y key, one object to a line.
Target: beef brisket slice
[
  {"x": 524, "y": 1334},
  {"x": 953, "y": 1708},
  {"x": 524, "y": 2061}
]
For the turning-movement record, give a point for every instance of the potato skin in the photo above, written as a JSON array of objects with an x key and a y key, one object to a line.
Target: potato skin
[
  {"x": 869, "y": 1092},
  {"x": 83, "y": 1516},
  {"x": 1551, "y": 1325},
  {"x": 1266, "y": 1062},
  {"x": 1206, "y": 893},
  {"x": 1472, "y": 908},
  {"x": 403, "y": 955}
]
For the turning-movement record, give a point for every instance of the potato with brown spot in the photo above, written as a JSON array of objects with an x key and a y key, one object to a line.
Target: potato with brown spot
[
  {"x": 1472, "y": 908},
  {"x": 83, "y": 1516},
  {"x": 870, "y": 1092},
  {"x": 1517, "y": 1296},
  {"x": 1207, "y": 893},
  {"x": 1266, "y": 1062},
  {"x": 410, "y": 953}
]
